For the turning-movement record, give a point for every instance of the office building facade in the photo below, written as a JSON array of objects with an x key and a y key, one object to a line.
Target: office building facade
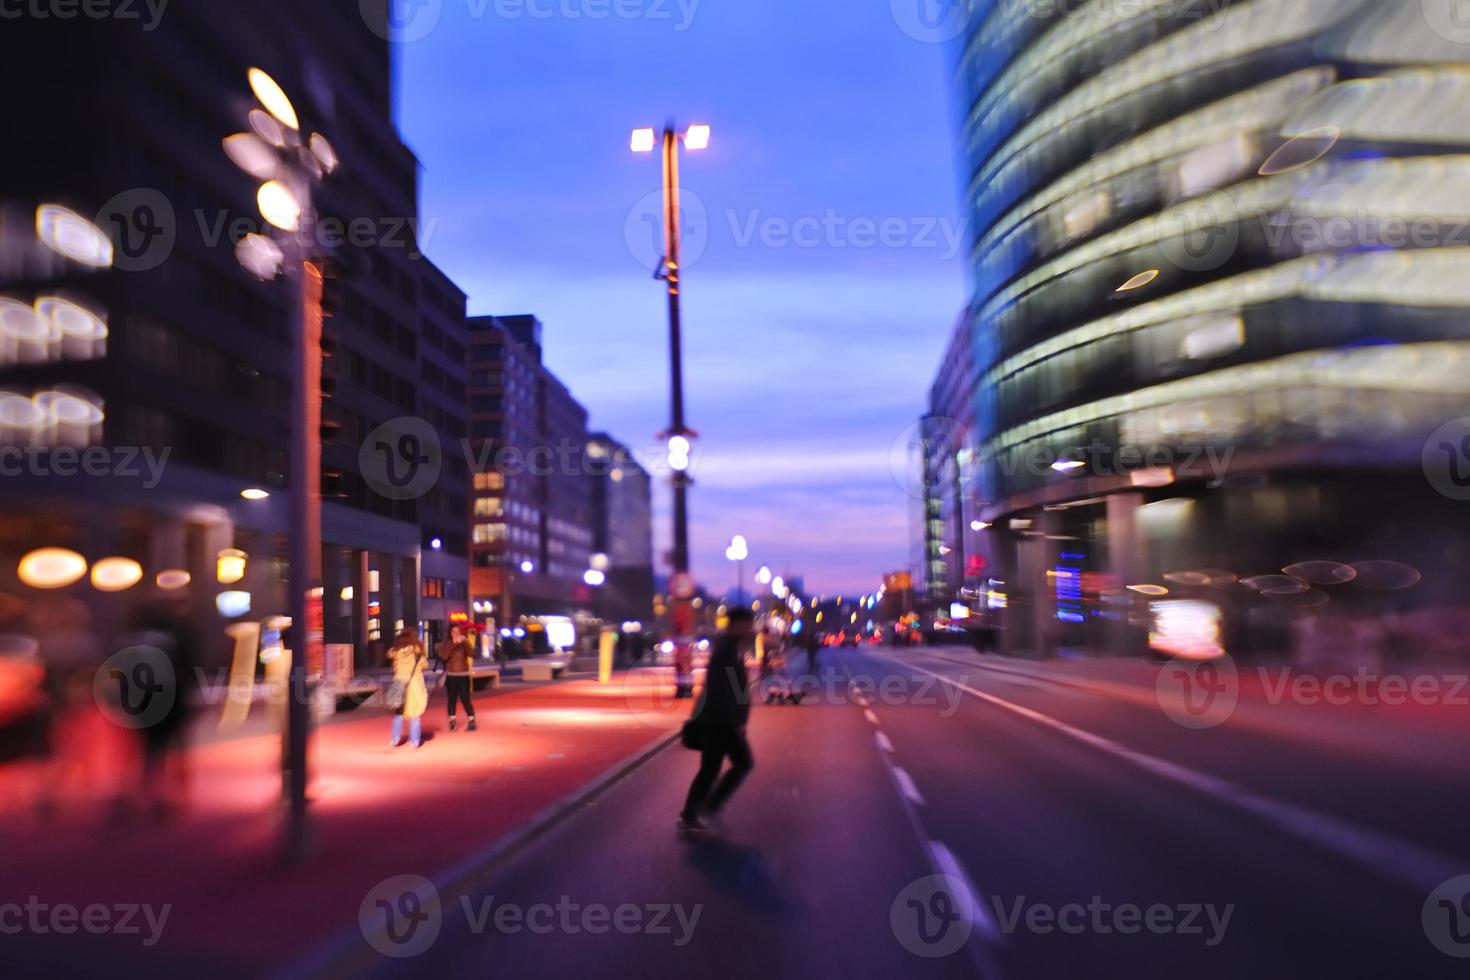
[
  {"x": 531, "y": 537},
  {"x": 187, "y": 355},
  {"x": 1218, "y": 318},
  {"x": 622, "y": 530},
  {"x": 946, "y": 434}
]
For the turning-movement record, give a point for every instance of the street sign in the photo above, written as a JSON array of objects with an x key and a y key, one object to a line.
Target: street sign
[{"x": 682, "y": 585}]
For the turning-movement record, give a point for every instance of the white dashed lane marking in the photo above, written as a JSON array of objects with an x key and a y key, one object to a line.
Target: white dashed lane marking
[
  {"x": 906, "y": 784},
  {"x": 1392, "y": 858}
]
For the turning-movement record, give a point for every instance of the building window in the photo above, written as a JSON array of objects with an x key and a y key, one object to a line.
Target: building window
[
  {"x": 433, "y": 588},
  {"x": 489, "y": 533},
  {"x": 489, "y": 507},
  {"x": 490, "y": 481}
]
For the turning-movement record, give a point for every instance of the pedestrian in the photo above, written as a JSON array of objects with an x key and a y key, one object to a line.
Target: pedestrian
[
  {"x": 718, "y": 724},
  {"x": 163, "y": 628},
  {"x": 813, "y": 650},
  {"x": 408, "y": 697},
  {"x": 459, "y": 662}
]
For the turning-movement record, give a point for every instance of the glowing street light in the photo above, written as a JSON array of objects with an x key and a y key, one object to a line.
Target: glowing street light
[
  {"x": 324, "y": 152},
  {"x": 172, "y": 578},
  {"x": 260, "y": 256},
  {"x": 253, "y": 155},
  {"x": 696, "y": 138},
  {"x": 738, "y": 551},
  {"x": 279, "y": 206},
  {"x": 51, "y": 568},
  {"x": 671, "y": 271},
  {"x": 229, "y": 566},
  {"x": 273, "y": 97},
  {"x": 116, "y": 574},
  {"x": 679, "y": 449},
  {"x": 289, "y": 162}
]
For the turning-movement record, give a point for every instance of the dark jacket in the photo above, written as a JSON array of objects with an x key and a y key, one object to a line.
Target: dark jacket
[{"x": 725, "y": 700}]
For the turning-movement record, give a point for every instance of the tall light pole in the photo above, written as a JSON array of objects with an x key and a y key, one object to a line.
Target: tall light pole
[
  {"x": 275, "y": 151},
  {"x": 681, "y": 586}
]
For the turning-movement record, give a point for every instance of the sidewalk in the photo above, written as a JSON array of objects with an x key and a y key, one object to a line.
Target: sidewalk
[{"x": 376, "y": 812}]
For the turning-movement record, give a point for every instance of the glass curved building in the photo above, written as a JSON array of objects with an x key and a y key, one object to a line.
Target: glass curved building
[{"x": 1221, "y": 321}]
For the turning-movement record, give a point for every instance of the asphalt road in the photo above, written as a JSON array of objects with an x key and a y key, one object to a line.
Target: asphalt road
[{"x": 930, "y": 816}]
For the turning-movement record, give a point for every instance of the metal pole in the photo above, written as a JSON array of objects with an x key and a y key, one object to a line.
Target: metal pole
[
  {"x": 680, "y": 607},
  {"x": 676, "y": 346},
  {"x": 305, "y": 533}
]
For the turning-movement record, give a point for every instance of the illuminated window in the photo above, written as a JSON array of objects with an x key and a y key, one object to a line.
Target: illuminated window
[
  {"x": 489, "y": 533},
  {"x": 489, "y": 507},
  {"x": 490, "y": 481}
]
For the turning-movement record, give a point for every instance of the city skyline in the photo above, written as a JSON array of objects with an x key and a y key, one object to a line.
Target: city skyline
[{"x": 790, "y": 454}]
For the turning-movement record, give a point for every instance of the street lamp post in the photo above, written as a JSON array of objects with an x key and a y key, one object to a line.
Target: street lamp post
[
  {"x": 275, "y": 152},
  {"x": 679, "y": 434},
  {"x": 738, "y": 551}
]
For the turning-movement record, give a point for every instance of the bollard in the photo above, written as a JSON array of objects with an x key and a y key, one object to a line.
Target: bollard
[{"x": 607, "y": 643}]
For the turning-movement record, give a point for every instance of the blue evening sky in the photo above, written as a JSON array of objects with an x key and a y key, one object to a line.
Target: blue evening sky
[{"x": 822, "y": 278}]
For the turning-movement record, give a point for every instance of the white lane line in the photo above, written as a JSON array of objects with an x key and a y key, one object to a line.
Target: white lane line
[
  {"x": 884, "y": 742},
  {"x": 906, "y": 783},
  {"x": 868, "y": 714},
  {"x": 949, "y": 866},
  {"x": 1395, "y": 859},
  {"x": 944, "y": 863}
]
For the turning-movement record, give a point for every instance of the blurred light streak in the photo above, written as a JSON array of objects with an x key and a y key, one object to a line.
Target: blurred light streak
[
  {"x": 1139, "y": 281},
  {"x": 1301, "y": 150},
  {"x": 116, "y": 574},
  {"x": 1188, "y": 629},
  {"x": 68, "y": 233},
  {"x": 51, "y": 568},
  {"x": 273, "y": 97}
]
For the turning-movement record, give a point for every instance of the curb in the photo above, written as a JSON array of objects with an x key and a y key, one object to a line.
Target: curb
[{"x": 348, "y": 954}]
